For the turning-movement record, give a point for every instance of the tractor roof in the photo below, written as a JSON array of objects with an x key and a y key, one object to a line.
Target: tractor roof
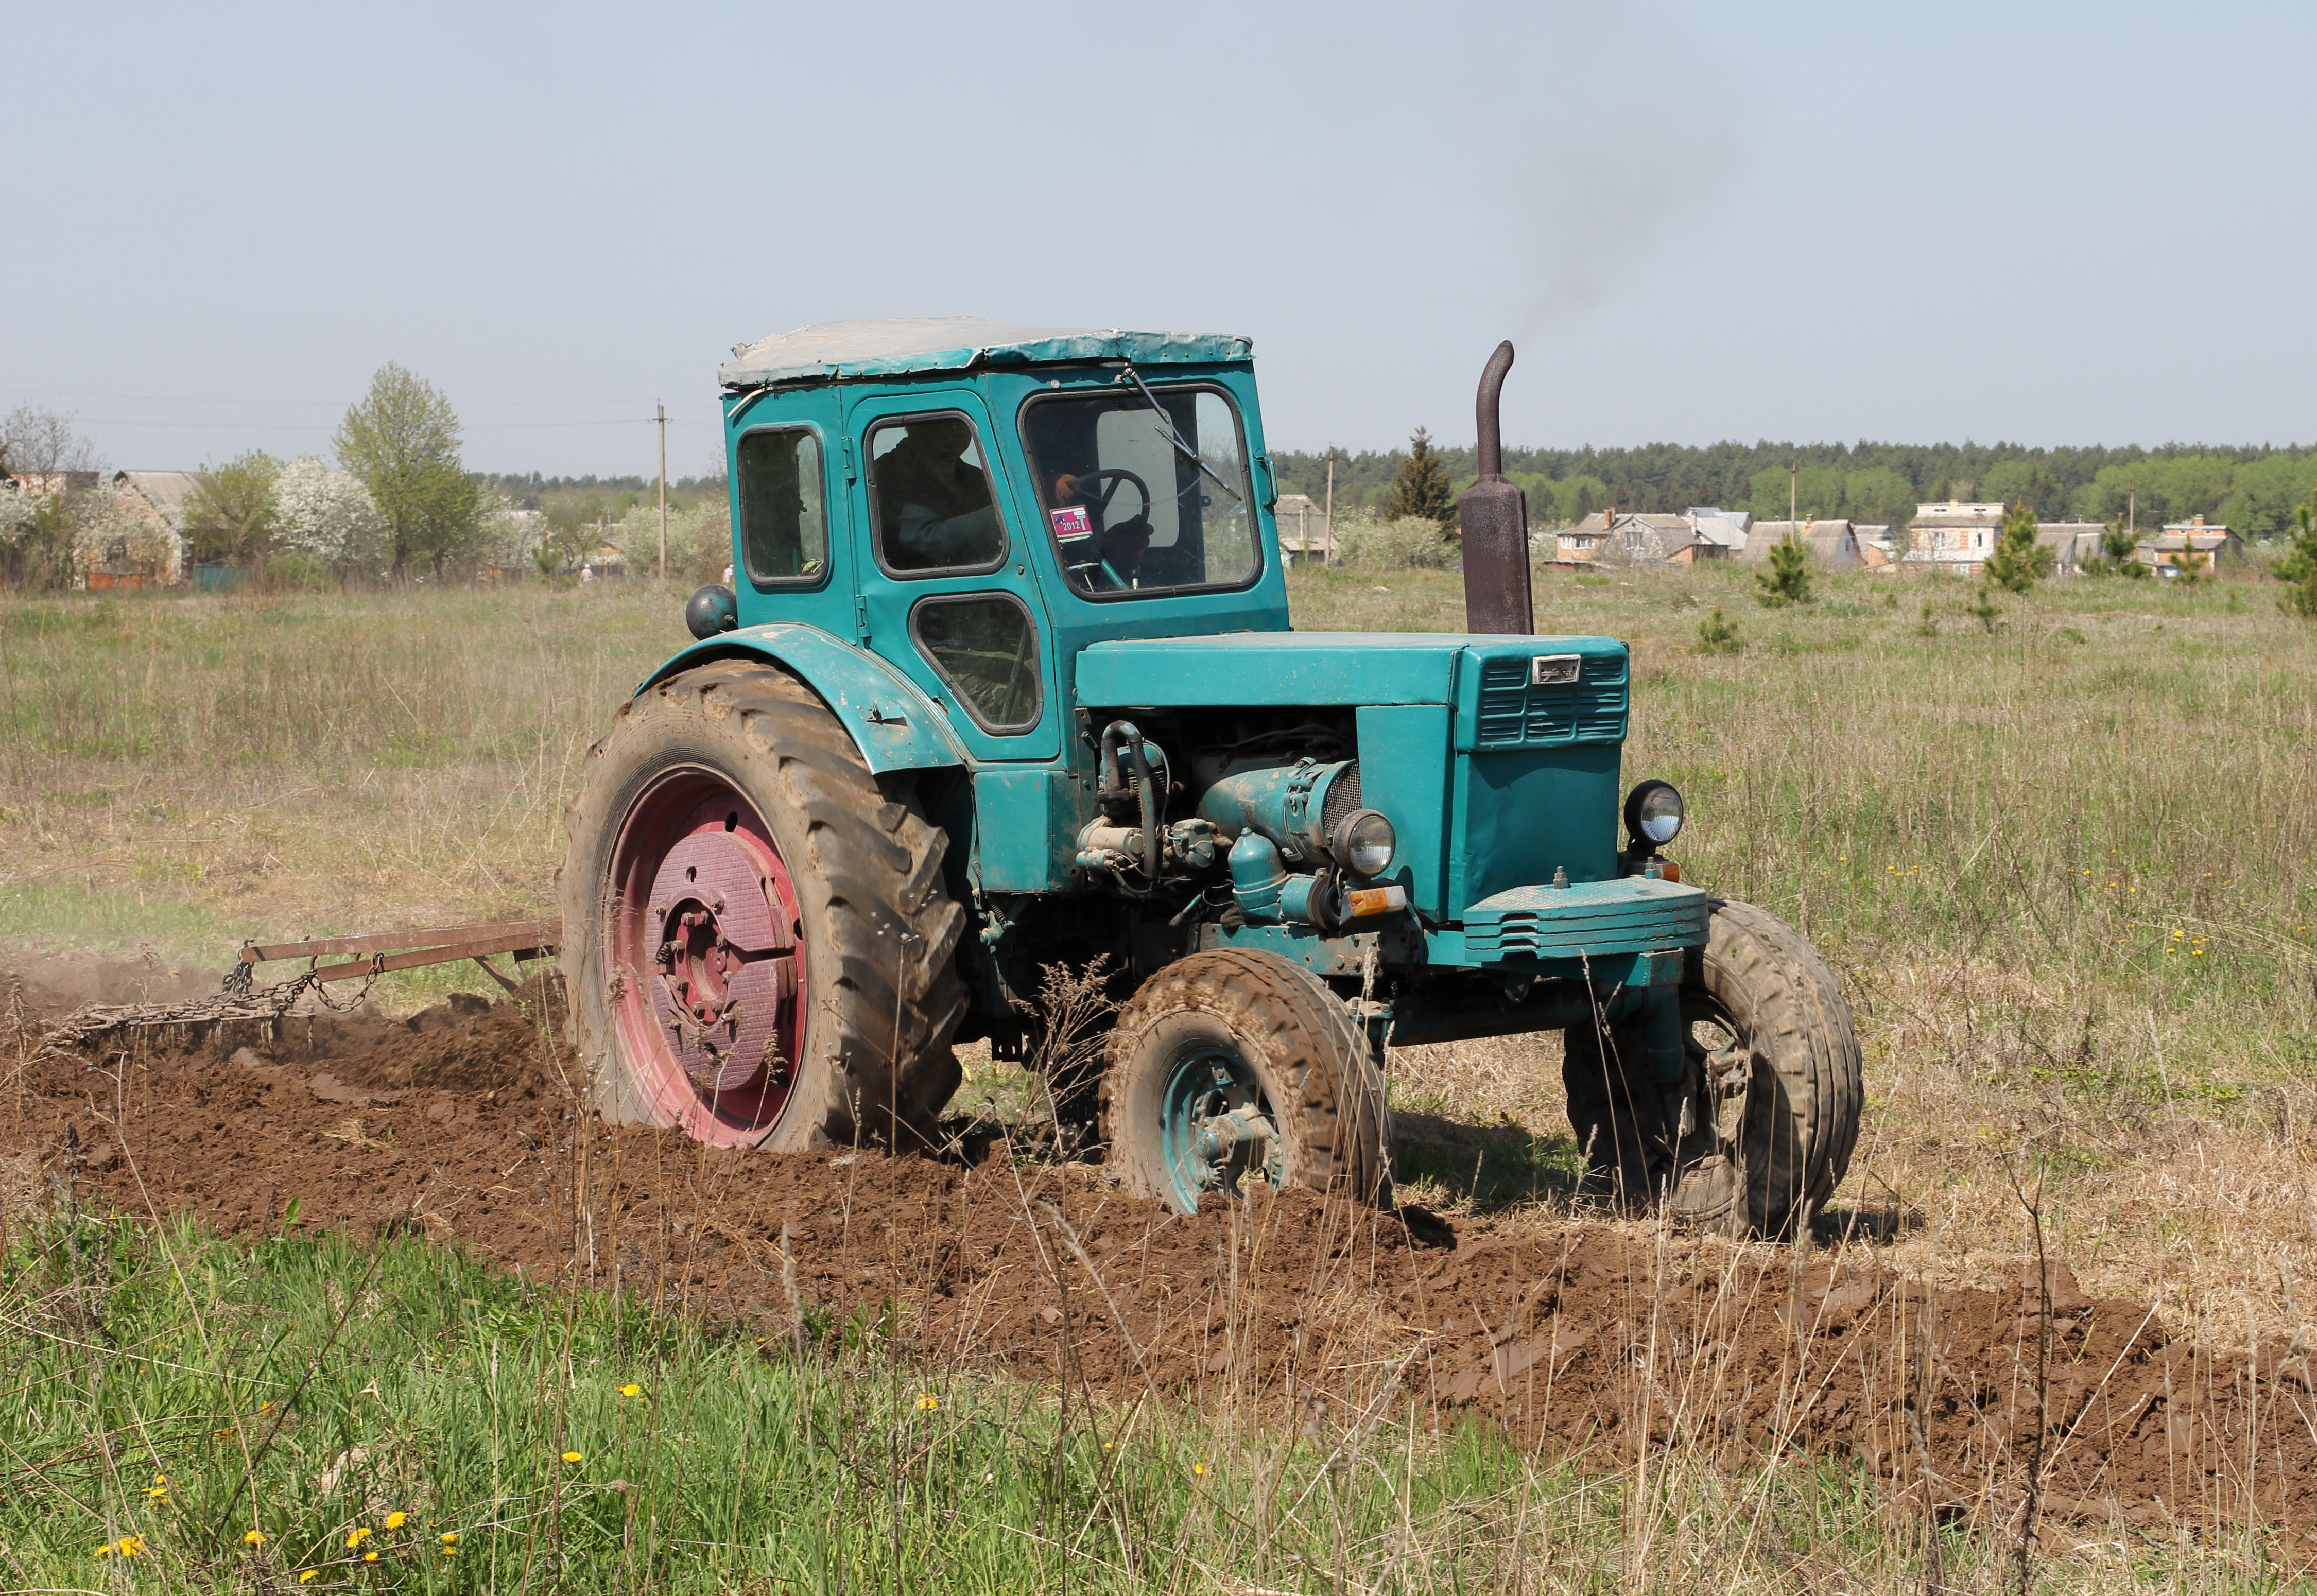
[{"x": 956, "y": 343}]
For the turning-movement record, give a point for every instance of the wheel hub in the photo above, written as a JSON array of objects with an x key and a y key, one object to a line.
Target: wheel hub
[
  {"x": 723, "y": 965},
  {"x": 1217, "y": 1128}
]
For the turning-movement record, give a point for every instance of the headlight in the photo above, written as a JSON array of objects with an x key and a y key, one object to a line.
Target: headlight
[
  {"x": 1364, "y": 842},
  {"x": 1653, "y": 812}
]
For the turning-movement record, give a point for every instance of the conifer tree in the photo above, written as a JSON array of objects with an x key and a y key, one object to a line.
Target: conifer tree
[
  {"x": 2300, "y": 566},
  {"x": 1787, "y": 581},
  {"x": 2019, "y": 561},
  {"x": 1420, "y": 491}
]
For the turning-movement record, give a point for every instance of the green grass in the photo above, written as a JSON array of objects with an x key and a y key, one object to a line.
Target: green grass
[{"x": 191, "y": 1392}]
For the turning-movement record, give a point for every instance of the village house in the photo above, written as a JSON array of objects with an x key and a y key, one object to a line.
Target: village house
[
  {"x": 2071, "y": 543},
  {"x": 1833, "y": 545},
  {"x": 1684, "y": 539},
  {"x": 1953, "y": 537},
  {"x": 2190, "y": 545},
  {"x": 148, "y": 548}
]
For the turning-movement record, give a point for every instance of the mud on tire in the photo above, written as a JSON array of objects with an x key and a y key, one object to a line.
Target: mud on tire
[
  {"x": 881, "y": 997},
  {"x": 1774, "y": 1107},
  {"x": 1294, "y": 1037}
]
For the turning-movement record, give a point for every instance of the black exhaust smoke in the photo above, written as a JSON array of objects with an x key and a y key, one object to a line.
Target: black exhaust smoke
[{"x": 1495, "y": 513}]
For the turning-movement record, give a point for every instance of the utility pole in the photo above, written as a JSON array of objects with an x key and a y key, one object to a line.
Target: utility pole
[
  {"x": 663, "y": 493},
  {"x": 1329, "y": 557},
  {"x": 1794, "y": 493}
]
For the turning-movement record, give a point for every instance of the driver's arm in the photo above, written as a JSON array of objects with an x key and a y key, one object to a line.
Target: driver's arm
[{"x": 952, "y": 541}]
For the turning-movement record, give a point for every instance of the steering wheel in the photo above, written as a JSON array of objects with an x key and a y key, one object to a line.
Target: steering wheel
[
  {"x": 1112, "y": 476},
  {"x": 1107, "y": 478}
]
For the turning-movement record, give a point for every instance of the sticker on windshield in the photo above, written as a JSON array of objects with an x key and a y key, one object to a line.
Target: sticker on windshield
[{"x": 1071, "y": 523}]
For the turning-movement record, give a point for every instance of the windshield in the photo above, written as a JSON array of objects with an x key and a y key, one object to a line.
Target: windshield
[{"x": 1141, "y": 502}]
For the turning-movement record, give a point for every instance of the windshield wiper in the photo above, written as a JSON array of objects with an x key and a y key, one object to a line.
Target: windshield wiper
[{"x": 1166, "y": 424}]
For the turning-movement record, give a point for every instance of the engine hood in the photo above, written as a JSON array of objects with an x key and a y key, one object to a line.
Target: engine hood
[{"x": 1488, "y": 681}]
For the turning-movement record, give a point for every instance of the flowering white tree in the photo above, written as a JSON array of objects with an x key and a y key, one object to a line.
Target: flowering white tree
[{"x": 327, "y": 515}]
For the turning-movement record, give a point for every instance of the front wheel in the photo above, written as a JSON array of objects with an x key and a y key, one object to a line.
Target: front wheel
[
  {"x": 1229, "y": 1066},
  {"x": 1761, "y": 1127}
]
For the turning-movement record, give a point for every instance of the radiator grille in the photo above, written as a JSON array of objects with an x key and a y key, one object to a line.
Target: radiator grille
[
  {"x": 1343, "y": 797},
  {"x": 1590, "y": 709}
]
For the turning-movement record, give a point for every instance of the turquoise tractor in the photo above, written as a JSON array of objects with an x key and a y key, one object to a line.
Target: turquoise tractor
[{"x": 1004, "y": 681}]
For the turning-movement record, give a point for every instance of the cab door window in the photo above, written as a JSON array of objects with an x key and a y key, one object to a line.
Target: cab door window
[{"x": 930, "y": 498}]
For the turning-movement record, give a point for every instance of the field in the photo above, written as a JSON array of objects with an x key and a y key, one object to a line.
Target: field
[{"x": 2061, "y": 862}]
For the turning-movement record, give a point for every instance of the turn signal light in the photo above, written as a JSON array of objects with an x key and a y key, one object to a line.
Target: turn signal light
[{"x": 1362, "y": 902}]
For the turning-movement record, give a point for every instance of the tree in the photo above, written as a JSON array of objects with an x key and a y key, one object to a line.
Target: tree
[
  {"x": 2017, "y": 561},
  {"x": 327, "y": 516},
  {"x": 1787, "y": 581},
  {"x": 1880, "y": 496},
  {"x": 1421, "y": 490},
  {"x": 51, "y": 471},
  {"x": 402, "y": 440},
  {"x": 230, "y": 513},
  {"x": 2299, "y": 568}
]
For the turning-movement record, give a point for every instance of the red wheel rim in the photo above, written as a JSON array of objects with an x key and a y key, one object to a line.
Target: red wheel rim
[{"x": 705, "y": 962}]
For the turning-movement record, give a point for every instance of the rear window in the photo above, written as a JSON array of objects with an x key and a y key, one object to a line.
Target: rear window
[{"x": 783, "y": 516}]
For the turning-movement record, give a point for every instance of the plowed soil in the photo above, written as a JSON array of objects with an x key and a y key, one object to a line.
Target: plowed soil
[{"x": 1607, "y": 1336}]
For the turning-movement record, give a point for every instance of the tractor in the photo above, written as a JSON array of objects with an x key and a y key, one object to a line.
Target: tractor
[{"x": 1005, "y": 681}]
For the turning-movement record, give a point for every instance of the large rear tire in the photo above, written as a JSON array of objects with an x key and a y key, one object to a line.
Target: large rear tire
[
  {"x": 1772, "y": 1081},
  {"x": 1230, "y": 1063},
  {"x": 757, "y": 949}
]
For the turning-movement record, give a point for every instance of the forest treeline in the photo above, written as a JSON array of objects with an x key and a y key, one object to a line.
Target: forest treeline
[{"x": 2252, "y": 490}]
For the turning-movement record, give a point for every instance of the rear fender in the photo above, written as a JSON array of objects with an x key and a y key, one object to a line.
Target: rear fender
[{"x": 896, "y": 726}]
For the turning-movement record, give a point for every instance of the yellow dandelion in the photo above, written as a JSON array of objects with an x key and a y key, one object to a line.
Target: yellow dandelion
[
  {"x": 1198, "y": 1469},
  {"x": 160, "y": 1479},
  {"x": 306, "y": 1575},
  {"x": 2198, "y": 952},
  {"x": 131, "y": 1545},
  {"x": 396, "y": 1520},
  {"x": 450, "y": 1551},
  {"x": 631, "y": 1390},
  {"x": 355, "y": 1537},
  {"x": 927, "y": 1401},
  {"x": 254, "y": 1537},
  {"x": 450, "y": 1538},
  {"x": 157, "y": 1494},
  {"x": 370, "y": 1556},
  {"x": 571, "y": 1457}
]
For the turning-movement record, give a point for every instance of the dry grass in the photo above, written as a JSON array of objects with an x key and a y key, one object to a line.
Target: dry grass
[{"x": 1993, "y": 837}]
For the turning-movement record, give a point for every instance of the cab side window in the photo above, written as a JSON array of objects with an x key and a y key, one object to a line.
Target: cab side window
[
  {"x": 929, "y": 489},
  {"x": 784, "y": 514}
]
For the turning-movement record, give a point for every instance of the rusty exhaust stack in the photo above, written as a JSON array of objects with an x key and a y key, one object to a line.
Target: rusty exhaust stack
[{"x": 1495, "y": 516}]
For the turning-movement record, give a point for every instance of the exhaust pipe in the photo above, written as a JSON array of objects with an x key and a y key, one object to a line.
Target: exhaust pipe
[{"x": 1495, "y": 516}]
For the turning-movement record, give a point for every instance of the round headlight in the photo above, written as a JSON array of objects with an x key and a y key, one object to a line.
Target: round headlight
[
  {"x": 1364, "y": 842},
  {"x": 1653, "y": 812}
]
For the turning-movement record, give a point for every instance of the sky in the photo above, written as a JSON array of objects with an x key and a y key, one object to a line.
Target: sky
[{"x": 2042, "y": 223}]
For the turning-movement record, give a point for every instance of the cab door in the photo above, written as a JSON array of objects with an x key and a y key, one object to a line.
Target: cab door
[{"x": 945, "y": 593}]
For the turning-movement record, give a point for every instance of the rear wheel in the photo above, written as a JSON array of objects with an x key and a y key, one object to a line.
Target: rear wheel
[
  {"x": 1229, "y": 1064},
  {"x": 757, "y": 949},
  {"x": 1765, "y": 1118}
]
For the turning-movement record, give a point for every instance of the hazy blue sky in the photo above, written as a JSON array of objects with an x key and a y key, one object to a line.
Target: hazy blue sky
[{"x": 2051, "y": 223}]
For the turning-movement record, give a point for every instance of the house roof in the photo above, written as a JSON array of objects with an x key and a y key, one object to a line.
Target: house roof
[
  {"x": 1833, "y": 541},
  {"x": 1742, "y": 518},
  {"x": 1955, "y": 513},
  {"x": 956, "y": 343},
  {"x": 2197, "y": 540},
  {"x": 165, "y": 491}
]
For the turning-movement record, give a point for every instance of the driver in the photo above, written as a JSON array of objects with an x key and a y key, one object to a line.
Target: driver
[{"x": 935, "y": 504}]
